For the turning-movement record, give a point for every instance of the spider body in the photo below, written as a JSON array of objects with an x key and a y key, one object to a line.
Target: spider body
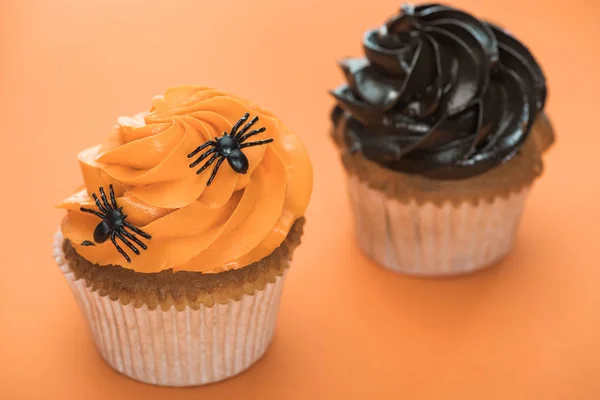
[
  {"x": 113, "y": 221},
  {"x": 229, "y": 147},
  {"x": 113, "y": 225}
]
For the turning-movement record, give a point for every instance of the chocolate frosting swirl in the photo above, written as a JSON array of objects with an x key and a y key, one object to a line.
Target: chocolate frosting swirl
[{"x": 440, "y": 93}]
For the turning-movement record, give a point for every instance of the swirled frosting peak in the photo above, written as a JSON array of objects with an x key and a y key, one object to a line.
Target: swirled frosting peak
[
  {"x": 235, "y": 221},
  {"x": 440, "y": 93}
]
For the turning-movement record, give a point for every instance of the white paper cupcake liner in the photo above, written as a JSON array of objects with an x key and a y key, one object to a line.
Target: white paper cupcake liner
[
  {"x": 178, "y": 348},
  {"x": 434, "y": 240}
]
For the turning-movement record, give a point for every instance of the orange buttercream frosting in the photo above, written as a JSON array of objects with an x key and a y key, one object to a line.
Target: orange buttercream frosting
[{"x": 237, "y": 220}]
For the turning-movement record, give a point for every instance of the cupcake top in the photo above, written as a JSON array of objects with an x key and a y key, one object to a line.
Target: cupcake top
[
  {"x": 440, "y": 94},
  {"x": 203, "y": 181}
]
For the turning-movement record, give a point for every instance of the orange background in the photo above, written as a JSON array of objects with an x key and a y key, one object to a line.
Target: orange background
[{"x": 526, "y": 329}]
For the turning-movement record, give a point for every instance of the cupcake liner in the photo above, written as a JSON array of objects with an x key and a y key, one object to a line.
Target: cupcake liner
[
  {"x": 178, "y": 348},
  {"x": 431, "y": 239}
]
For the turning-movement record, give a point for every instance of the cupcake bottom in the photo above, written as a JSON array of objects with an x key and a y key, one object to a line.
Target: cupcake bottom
[
  {"x": 421, "y": 226},
  {"x": 434, "y": 239},
  {"x": 195, "y": 339}
]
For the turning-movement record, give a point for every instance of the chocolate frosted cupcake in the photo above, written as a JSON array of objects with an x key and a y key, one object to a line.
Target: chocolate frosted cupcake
[
  {"x": 441, "y": 129},
  {"x": 177, "y": 245}
]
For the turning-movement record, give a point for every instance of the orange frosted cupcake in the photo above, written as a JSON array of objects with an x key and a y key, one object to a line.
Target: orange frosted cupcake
[{"x": 177, "y": 245}]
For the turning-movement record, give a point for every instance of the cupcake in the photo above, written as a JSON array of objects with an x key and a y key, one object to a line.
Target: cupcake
[
  {"x": 441, "y": 128},
  {"x": 177, "y": 245}
]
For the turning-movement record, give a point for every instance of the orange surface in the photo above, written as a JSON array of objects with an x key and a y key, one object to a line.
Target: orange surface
[{"x": 527, "y": 329}]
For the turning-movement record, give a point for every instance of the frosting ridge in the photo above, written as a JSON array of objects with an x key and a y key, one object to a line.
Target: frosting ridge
[
  {"x": 237, "y": 220},
  {"x": 439, "y": 93}
]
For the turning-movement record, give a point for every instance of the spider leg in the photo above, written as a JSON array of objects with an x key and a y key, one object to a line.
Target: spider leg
[
  {"x": 256, "y": 143},
  {"x": 202, "y": 157},
  {"x": 250, "y": 134},
  {"x": 134, "y": 238},
  {"x": 202, "y": 147},
  {"x": 208, "y": 163},
  {"x": 96, "y": 213},
  {"x": 127, "y": 242},
  {"x": 98, "y": 204},
  {"x": 215, "y": 170},
  {"x": 238, "y": 124},
  {"x": 137, "y": 230},
  {"x": 119, "y": 249},
  {"x": 112, "y": 197},
  {"x": 245, "y": 129},
  {"x": 104, "y": 200}
]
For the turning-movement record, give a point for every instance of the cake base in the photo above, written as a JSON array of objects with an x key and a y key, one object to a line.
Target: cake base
[
  {"x": 194, "y": 346},
  {"x": 504, "y": 180}
]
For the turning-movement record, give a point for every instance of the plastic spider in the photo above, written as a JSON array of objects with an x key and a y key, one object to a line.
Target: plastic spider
[
  {"x": 113, "y": 224},
  {"x": 229, "y": 146}
]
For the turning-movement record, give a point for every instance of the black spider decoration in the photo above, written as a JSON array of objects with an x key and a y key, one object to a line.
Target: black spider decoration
[
  {"x": 229, "y": 146},
  {"x": 113, "y": 224}
]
